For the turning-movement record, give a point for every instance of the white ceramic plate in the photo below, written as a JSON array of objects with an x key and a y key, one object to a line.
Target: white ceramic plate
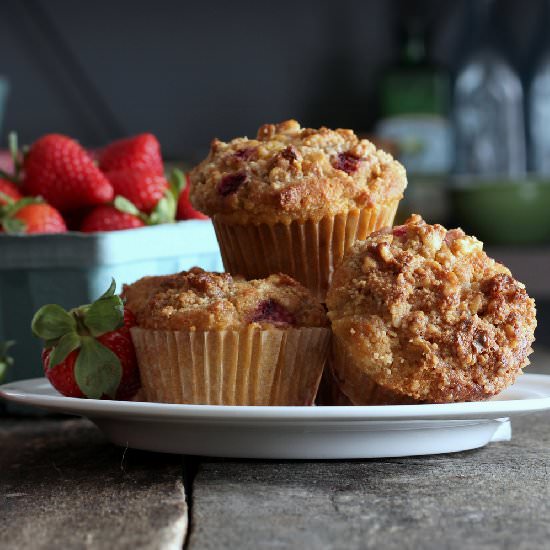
[{"x": 297, "y": 432}]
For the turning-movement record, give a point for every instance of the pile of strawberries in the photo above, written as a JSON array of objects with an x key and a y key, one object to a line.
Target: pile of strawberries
[{"x": 57, "y": 186}]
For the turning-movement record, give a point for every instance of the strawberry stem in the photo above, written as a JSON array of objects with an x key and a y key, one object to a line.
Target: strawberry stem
[
  {"x": 6, "y": 198},
  {"x": 122, "y": 204},
  {"x": 78, "y": 314}
]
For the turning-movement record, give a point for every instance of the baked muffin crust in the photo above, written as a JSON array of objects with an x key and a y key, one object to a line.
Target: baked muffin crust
[
  {"x": 197, "y": 300},
  {"x": 425, "y": 312},
  {"x": 291, "y": 173}
]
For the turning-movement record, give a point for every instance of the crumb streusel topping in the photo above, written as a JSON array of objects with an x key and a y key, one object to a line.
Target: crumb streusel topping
[
  {"x": 291, "y": 173},
  {"x": 424, "y": 311},
  {"x": 200, "y": 300}
]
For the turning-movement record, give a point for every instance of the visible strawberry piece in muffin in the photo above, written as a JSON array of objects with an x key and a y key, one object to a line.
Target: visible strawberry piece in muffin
[
  {"x": 290, "y": 153},
  {"x": 245, "y": 154},
  {"x": 231, "y": 183},
  {"x": 347, "y": 162},
  {"x": 273, "y": 312},
  {"x": 399, "y": 231}
]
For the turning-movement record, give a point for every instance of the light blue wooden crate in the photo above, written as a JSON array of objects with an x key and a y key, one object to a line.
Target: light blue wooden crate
[{"x": 75, "y": 268}]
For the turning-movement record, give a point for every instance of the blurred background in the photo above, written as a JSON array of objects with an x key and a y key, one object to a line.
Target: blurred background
[{"x": 458, "y": 90}]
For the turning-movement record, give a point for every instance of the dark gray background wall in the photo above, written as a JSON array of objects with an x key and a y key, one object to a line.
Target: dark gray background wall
[{"x": 189, "y": 71}]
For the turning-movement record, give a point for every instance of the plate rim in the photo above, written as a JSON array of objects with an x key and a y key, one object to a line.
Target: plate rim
[{"x": 17, "y": 392}]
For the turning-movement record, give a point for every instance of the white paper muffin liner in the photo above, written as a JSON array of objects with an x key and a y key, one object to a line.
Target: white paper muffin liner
[
  {"x": 306, "y": 250},
  {"x": 247, "y": 367}
]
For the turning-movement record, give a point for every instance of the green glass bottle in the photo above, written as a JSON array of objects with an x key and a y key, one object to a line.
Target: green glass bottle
[{"x": 414, "y": 105}]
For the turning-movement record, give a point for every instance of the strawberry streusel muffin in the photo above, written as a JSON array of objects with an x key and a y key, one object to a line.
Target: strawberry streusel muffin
[
  {"x": 425, "y": 314},
  {"x": 294, "y": 199},
  {"x": 210, "y": 338}
]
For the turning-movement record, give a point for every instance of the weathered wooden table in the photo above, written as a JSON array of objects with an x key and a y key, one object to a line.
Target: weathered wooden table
[{"x": 62, "y": 485}]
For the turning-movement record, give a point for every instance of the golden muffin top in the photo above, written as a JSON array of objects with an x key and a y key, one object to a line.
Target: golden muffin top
[
  {"x": 291, "y": 173},
  {"x": 427, "y": 313},
  {"x": 200, "y": 300}
]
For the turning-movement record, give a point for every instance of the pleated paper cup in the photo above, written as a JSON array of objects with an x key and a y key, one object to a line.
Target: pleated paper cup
[
  {"x": 356, "y": 385},
  {"x": 306, "y": 250},
  {"x": 247, "y": 367}
]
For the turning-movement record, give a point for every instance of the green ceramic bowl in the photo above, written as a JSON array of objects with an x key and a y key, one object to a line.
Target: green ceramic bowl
[{"x": 501, "y": 211}]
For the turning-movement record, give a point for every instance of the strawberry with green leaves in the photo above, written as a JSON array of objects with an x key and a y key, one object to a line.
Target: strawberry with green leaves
[
  {"x": 144, "y": 188},
  {"x": 88, "y": 350},
  {"x": 29, "y": 215},
  {"x": 110, "y": 218},
  {"x": 124, "y": 214},
  {"x": 9, "y": 191}
]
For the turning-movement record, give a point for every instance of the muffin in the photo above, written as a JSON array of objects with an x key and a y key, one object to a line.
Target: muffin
[
  {"x": 210, "y": 338},
  {"x": 424, "y": 313},
  {"x": 294, "y": 199}
]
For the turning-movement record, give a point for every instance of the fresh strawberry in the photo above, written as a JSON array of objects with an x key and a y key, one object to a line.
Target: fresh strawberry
[
  {"x": 124, "y": 214},
  {"x": 89, "y": 350},
  {"x": 30, "y": 215},
  {"x": 144, "y": 188},
  {"x": 8, "y": 190},
  {"x": 140, "y": 152},
  {"x": 60, "y": 170},
  {"x": 40, "y": 218},
  {"x": 185, "y": 210},
  {"x": 109, "y": 218},
  {"x": 62, "y": 377}
]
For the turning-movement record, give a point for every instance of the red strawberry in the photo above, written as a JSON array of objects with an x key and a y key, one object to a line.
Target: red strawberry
[
  {"x": 62, "y": 377},
  {"x": 60, "y": 170},
  {"x": 185, "y": 210},
  {"x": 40, "y": 218},
  {"x": 108, "y": 218},
  {"x": 144, "y": 188},
  {"x": 9, "y": 189},
  {"x": 30, "y": 215},
  {"x": 120, "y": 343},
  {"x": 89, "y": 350},
  {"x": 140, "y": 152}
]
